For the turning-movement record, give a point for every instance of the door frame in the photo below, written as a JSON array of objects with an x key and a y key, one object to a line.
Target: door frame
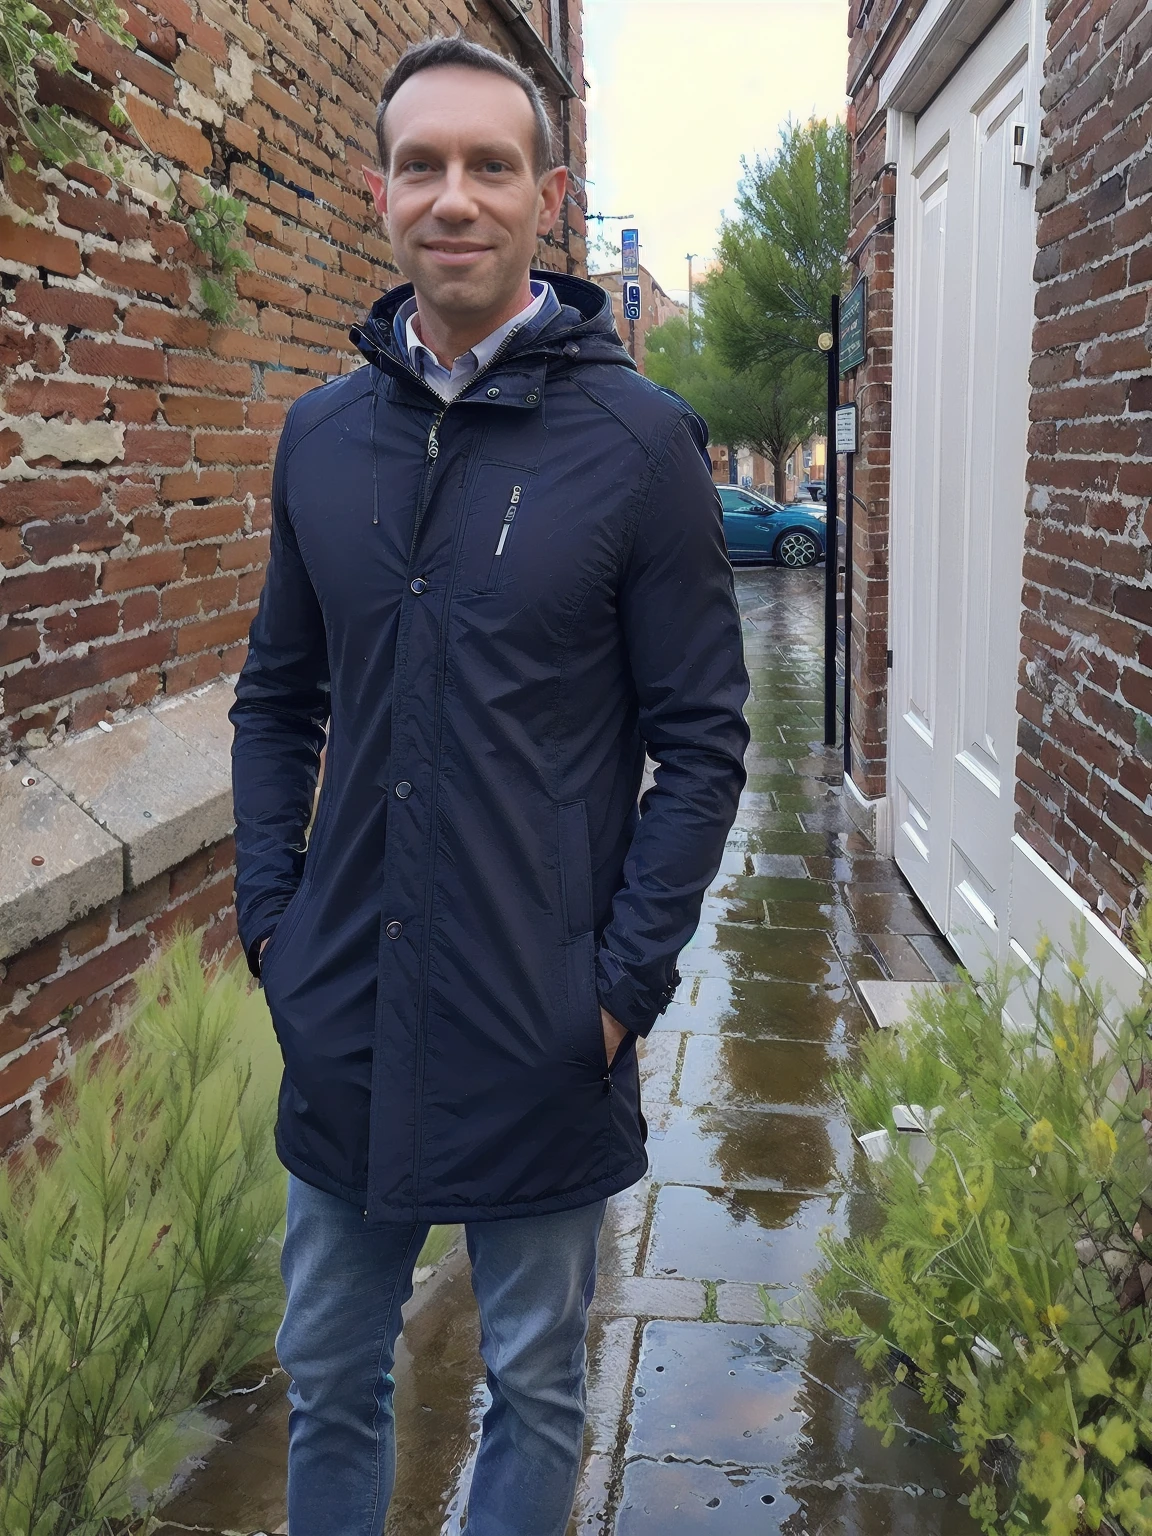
[{"x": 937, "y": 45}]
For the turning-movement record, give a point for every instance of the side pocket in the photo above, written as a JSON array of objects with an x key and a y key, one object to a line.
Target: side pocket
[
  {"x": 575, "y": 868},
  {"x": 500, "y": 554}
]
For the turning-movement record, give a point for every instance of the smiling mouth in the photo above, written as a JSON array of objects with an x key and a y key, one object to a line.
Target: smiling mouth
[{"x": 456, "y": 256}]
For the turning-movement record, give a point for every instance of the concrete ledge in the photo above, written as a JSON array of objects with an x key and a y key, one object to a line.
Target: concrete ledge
[
  {"x": 868, "y": 816},
  {"x": 110, "y": 810},
  {"x": 83, "y": 866}
]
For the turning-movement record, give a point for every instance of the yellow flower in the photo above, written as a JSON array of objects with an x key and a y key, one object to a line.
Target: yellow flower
[
  {"x": 1042, "y": 1136},
  {"x": 1100, "y": 1146},
  {"x": 1055, "y": 1316}
]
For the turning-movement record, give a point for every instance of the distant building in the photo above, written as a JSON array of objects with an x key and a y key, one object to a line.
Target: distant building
[
  {"x": 754, "y": 471},
  {"x": 655, "y": 307}
]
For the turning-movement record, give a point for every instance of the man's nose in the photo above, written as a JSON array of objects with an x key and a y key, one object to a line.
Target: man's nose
[{"x": 455, "y": 203}]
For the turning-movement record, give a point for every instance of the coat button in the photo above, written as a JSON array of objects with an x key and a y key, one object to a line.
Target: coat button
[
  {"x": 493, "y": 394},
  {"x": 403, "y": 789},
  {"x": 419, "y": 585},
  {"x": 394, "y": 930},
  {"x": 532, "y": 398}
]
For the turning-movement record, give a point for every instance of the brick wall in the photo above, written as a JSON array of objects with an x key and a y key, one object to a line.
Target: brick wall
[
  {"x": 137, "y": 438},
  {"x": 876, "y": 30},
  {"x": 1085, "y": 765}
]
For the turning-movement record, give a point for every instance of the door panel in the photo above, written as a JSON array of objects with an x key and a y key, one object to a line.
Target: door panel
[{"x": 965, "y": 233}]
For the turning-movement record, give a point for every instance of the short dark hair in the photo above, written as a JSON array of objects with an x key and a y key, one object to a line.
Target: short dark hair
[{"x": 442, "y": 52}]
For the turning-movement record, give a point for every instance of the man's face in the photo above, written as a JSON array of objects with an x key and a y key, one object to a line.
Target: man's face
[{"x": 462, "y": 200}]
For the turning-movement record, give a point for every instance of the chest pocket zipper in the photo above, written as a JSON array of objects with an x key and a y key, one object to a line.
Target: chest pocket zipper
[{"x": 499, "y": 553}]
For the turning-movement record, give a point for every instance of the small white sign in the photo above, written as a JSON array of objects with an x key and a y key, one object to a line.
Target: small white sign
[{"x": 846, "y": 429}]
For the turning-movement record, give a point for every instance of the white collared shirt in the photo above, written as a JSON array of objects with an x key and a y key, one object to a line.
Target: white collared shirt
[{"x": 448, "y": 382}]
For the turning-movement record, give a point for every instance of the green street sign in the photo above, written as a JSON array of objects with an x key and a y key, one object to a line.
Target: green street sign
[{"x": 854, "y": 327}]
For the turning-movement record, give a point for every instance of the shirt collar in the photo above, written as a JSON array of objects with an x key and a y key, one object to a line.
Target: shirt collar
[{"x": 448, "y": 382}]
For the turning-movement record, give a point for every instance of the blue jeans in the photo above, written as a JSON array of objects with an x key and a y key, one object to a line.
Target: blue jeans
[{"x": 533, "y": 1278}]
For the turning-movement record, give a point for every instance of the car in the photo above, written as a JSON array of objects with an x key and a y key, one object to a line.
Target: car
[
  {"x": 814, "y": 490},
  {"x": 758, "y": 530}
]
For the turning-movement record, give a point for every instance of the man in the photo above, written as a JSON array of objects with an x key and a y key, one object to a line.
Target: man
[{"x": 496, "y": 577}]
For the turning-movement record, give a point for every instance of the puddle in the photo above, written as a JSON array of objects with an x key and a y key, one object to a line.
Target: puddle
[
  {"x": 766, "y": 1010},
  {"x": 746, "y": 1074},
  {"x": 749, "y": 1149}
]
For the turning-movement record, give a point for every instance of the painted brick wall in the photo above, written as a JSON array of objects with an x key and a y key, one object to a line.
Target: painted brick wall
[
  {"x": 136, "y": 439},
  {"x": 1085, "y": 764}
]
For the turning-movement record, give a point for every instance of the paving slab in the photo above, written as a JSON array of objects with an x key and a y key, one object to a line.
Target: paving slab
[
  {"x": 750, "y": 1149},
  {"x": 763, "y": 1236},
  {"x": 746, "y": 1074},
  {"x": 80, "y": 866},
  {"x": 768, "y": 1010},
  {"x": 743, "y": 954},
  {"x": 680, "y": 1499},
  {"x": 635, "y": 1296},
  {"x": 718, "y": 1392},
  {"x": 889, "y": 1002}
]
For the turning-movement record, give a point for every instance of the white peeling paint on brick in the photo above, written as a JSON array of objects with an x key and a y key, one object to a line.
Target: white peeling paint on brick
[{"x": 71, "y": 442}]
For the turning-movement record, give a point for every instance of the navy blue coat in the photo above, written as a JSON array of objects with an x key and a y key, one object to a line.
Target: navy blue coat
[{"x": 488, "y": 611}]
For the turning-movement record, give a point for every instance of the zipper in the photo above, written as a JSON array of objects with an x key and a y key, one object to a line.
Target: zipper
[
  {"x": 432, "y": 450},
  {"x": 431, "y": 455},
  {"x": 505, "y": 529}
]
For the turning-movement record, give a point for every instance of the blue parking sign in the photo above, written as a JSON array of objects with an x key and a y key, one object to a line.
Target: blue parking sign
[{"x": 630, "y": 253}]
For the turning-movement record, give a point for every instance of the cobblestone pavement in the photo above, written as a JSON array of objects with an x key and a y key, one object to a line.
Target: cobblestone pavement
[{"x": 701, "y": 1417}]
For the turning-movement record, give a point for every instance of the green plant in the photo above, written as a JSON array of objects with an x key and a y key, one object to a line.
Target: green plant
[
  {"x": 216, "y": 228},
  {"x": 1010, "y": 1276},
  {"x": 27, "y": 36},
  {"x": 138, "y": 1257}
]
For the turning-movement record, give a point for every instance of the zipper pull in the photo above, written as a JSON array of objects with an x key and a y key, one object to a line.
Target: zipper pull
[
  {"x": 433, "y": 441},
  {"x": 509, "y": 518}
]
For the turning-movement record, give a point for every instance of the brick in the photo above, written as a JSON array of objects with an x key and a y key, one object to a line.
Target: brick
[
  {"x": 100, "y": 216},
  {"x": 169, "y": 136},
  {"x": 217, "y": 521},
  {"x": 134, "y": 405},
  {"x": 54, "y": 397},
  {"x": 155, "y": 324},
  {"x": 233, "y": 448},
  {"x": 208, "y": 374},
  {"x": 150, "y": 570},
  {"x": 212, "y": 633},
  {"x": 15, "y": 1126},
  {"x": 64, "y": 306},
  {"x": 48, "y": 588},
  {"x": 139, "y": 276},
  {"x": 95, "y": 621},
  {"x": 24, "y": 1072},
  {"x": 19, "y": 639},
  {"x": 112, "y": 359},
  {"x": 169, "y": 446},
  {"x": 193, "y": 485},
  {"x": 195, "y": 911},
  {"x": 203, "y": 411},
  {"x": 71, "y": 535},
  {"x": 39, "y": 248},
  {"x": 87, "y": 979},
  {"x": 58, "y": 679}
]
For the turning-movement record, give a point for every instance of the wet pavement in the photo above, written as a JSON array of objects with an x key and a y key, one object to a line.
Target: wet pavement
[{"x": 701, "y": 1417}]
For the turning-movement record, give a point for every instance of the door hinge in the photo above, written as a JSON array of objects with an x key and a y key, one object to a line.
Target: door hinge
[
  {"x": 889, "y": 661},
  {"x": 1021, "y": 148}
]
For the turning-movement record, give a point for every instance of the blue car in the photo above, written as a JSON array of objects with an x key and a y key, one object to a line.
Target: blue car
[{"x": 758, "y": 530}]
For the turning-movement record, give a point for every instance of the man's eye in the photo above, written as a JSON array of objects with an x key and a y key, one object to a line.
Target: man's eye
[
  {"x": 495, "y": 167},
  {"x": 417, "y": 167}
]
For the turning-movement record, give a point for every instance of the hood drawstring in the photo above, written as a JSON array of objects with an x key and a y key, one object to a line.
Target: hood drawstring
[{"x": 375, "y": 456}]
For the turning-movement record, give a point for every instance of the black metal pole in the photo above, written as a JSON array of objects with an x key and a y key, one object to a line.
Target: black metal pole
[
  {"x": 831, "y": 535},
  {"x": 849, "y": 508}
]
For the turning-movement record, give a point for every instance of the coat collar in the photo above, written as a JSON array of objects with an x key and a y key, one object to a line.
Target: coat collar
[{"x": 583, "y": 331}]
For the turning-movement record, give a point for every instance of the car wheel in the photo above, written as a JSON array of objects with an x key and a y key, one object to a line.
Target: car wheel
[{"x": 796, "y": 549}]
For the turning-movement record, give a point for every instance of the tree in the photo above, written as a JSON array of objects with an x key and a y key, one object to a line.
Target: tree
[
  {"x": 782, "y": 257},
  {"x": 769, "y": 409}
]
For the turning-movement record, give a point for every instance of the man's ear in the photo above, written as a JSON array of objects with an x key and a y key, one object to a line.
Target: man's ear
[
  {"x": 378, "y": 186},
  {"x": 552, "y": 190}
]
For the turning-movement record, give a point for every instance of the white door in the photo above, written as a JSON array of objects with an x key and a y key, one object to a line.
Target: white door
[{"x": 965, "y": 247}]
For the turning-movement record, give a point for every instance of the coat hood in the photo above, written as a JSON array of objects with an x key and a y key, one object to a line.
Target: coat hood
[{"x": 584, "y": 330}]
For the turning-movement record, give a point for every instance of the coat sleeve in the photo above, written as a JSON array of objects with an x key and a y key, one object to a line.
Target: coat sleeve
[
  {"x": 279, "y": 719},
  {"x": 681, "y": 626}
]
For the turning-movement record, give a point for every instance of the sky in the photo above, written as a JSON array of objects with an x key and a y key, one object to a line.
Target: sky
[{"x": 679, "y": 90}]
